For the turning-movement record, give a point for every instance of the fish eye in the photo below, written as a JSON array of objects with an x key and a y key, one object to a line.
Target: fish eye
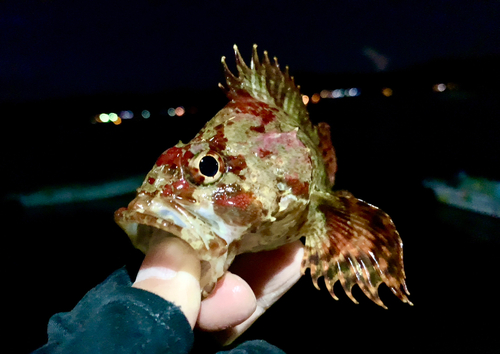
[
  {"x": 209, "y": 166},
  {"x": 206, "y": 167}
]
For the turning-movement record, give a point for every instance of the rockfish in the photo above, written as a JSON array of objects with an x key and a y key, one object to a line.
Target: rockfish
[{"x": 257, "y": 176}]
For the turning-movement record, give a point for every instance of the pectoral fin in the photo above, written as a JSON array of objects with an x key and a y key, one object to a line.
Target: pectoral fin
[{"x": 357, "y": 243}]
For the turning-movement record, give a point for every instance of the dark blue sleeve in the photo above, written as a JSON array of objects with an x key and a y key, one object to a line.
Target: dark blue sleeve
[
  {"x": 116, "y": 318},
  {"x": 254, "y": 347}
]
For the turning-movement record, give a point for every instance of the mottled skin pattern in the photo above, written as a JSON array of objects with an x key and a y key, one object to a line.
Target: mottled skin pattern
[{"x": 268, "y": 183}]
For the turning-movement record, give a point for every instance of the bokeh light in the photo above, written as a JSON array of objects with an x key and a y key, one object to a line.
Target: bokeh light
[
  {"x": 315, "y": 98},
  {"x": 104, "y": 118},
  {"x": 439, "y": 87},
  {"x": 325, "y": 94},
  {"x": 171, "y": 112},
  {"x": 126, "y": 114},
  {"x": 145, "y": 114},
  {"x": 305, "y": 99},
  {"x": 353, "y": 92},
  {"x": 180, "y": 111},
  {"x": 387, "y": 92},
  {"x": 113, "y": 117},
  {"x": 338, "y": 93}
]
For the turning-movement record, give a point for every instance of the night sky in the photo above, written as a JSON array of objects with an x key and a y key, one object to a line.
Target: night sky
[{"x": 58, "y": 48}]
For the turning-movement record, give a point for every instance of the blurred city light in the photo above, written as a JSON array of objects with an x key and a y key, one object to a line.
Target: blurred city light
[
  {"x": 338, "y": 93},
  {"x": 352, "y": 92},
  {"x": 315, "y": 98},
  {"x": 126, "y": 114},
  {"x": 104, "y": 118},
  {"x": 145, "y": 114},
  {"x": 117, "y": 119},
  {"x": 439, "y": 87},
  {"x": 325, "y": 94},
  {"x": 180, "y": 111},
  {"x": 387, "y": 92},
  {"x": 113, "y": 117}
]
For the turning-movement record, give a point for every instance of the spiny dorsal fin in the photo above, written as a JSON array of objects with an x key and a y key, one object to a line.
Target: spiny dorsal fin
[{"x": 265, "y": 82}]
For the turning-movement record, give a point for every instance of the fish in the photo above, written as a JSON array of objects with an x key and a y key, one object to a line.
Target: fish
[{"x": 260, "y": 175}]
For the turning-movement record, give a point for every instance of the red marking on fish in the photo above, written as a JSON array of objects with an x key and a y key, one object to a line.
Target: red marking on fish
[
  {"x": 236, "y": 164},
  {"x": 219, "y": 140},
  {"x": 168, "y": 190},
  {"x": 241, "y": 200},
  {"x": 249, "y": 105},
  {"x": 183, "y": 190},
  {"x": 264, "y": 153},
  {"x": 188, "y": 155},
  {"x": 170, "y": 157},
  {"x": 196, "y": 176},
  {"x": 259, "y": 129},
  {"x": 298, "y": 188},
  {"x": 236, "y": 206},
  {"x": 180, "y": 189}
]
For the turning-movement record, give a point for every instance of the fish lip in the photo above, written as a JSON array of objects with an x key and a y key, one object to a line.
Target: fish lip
[
  {"x": 148, "y": 219},
  {"x": 133, "y": 222},
  {"x": 136, "y": 220},
  {"x": 144, "y": 210}
]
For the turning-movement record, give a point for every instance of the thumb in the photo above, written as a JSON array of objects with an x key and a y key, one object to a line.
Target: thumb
[{"x": 171, "y": 269}]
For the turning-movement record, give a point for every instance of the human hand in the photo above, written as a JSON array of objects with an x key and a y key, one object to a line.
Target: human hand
[{"x": 255, "y": 281}]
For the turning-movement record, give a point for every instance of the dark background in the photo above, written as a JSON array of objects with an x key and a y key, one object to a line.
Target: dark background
[{"x": 62, "y": 63}]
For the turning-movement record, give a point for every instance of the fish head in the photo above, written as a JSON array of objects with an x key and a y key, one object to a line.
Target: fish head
[{"x": 232, "y": 189}]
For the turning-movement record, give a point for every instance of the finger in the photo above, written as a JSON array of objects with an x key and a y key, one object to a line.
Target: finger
[
  {"x": 231, "y": 303},
  {"x": 171, "y": 270},
  {"x": 271, "y": 274}
]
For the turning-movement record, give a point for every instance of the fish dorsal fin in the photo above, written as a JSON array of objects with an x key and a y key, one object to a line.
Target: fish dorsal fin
[
  {"x": 264, "y": 81},
  {"x": 327, "y": 152}
]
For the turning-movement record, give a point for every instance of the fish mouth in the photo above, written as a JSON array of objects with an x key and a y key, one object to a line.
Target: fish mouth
[
  {"x": 145, "y": 214},
  {"x": 140, "y": 226}
]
